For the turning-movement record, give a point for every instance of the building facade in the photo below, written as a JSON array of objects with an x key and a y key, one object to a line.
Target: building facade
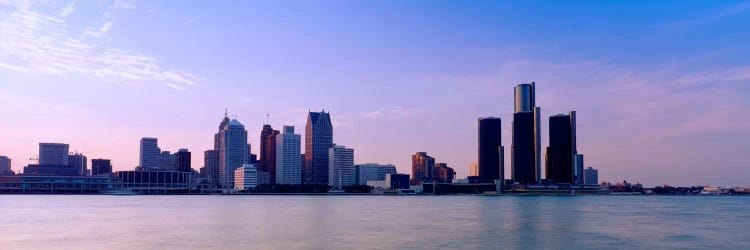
[
  {"x": 341, "y": 166},
  {"x": 526, "y": 160},
  {"x": 318, "y": 141},
  {"x": 246, "y": 177},
  {"x": 561, "y": 150},
  {"x": 422, "y": 166},
  {"x": 182, "y": 161},
  {"x": 578, "y": 164},
  {"x": 491, "y": 155},
  {"x": 474, "y": 169},
  {"x": 268, "y": 150},
  {"x": 211, "y": 163},
  {"x": 5, "y": 165},
  {"x": 591, "y": 176},
  {"x": 288, "y": 164},
  {"x": 443, "y": 173},
  {"x": 166, "y": 161},
  {"x": 372, "y": 172},
  {"x": 397, "y": 181},
  {"x": 232, "y": 151},
  {"x": 149, "y": 154},
  {"x": 80, "y": 163},
  {"x": 53, "y": 154},
  {"x": 101, "y": 167}
]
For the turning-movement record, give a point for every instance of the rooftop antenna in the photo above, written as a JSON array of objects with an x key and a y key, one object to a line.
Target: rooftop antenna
[
  {"x": 267, "y": 116},
  {"x": 226, "y": 110}
]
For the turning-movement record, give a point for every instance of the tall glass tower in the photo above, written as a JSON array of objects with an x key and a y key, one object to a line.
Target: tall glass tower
[
  {"x": 526, "y": 159},
  {"x": 232, "y": 151},
  {"x": 318, "y": 139},
  {"x": 491, "y": 155}
]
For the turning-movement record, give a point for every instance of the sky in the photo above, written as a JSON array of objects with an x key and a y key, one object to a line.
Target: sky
[{"x": 661, "y": 88}]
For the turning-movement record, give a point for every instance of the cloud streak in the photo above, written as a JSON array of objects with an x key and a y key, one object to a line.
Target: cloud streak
[{"x": 35, "y": 42}]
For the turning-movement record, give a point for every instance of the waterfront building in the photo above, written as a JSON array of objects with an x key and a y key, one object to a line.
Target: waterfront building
[
  {"x": 101, "y": 167},
  {"x": 377, "y": 184},
  {"x": 264, "y": 178},
  {"x": 422, "y": 167},
  {"x": 182, "y": 161},
  {"x": 149, "y": 154},
  {"x": 80, "y": 163},
  {"x": 397, "y": 181},
  {"x": 166, "y": 161},
  {"x": 232, "y": 151},
  {"x": 268, "y": 150},
  {"x": 372, "y": 172},
  {"x": 318, "y": 141},
  {"x": 591, "y": 176},
  {"x": 578, "y": 168},
  {"x": 474, "y": 169},
  {"x": 155, "y": 181},
  {"x": 211, "y": 165},
  {"x": 526, "y": 141},
  {"x": 246, "y": 177},
  {"x": 288, "y": 164},
  {"x": 491, "y": 156},
  {"x": 38, "y": 184},
  {"x": 443, "y": 173},
  {"x": 59, "y": 170},
  {"x": 562, "y": 148},
  {"x": 5, "y": 166},
  {"x": 341, "y": 166},
  {"x": 53, "y": 154}
]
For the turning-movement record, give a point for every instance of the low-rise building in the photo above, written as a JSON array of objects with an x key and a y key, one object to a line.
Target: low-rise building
[{"x": 246, "y": 177}]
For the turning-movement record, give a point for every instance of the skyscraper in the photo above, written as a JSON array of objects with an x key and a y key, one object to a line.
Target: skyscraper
[
  {"x": 100, "y": 166},
  {"x": 526, "y": 163},
  {"x": 268, "y": 151},
  {"x": 5, "y": 165},
  {"x": 474, "y": 169},
  {"x": 578, "y": 163},
  {"x": 561, "y": 148},
  {"x": 182, "y": 161},
  {"x": 491, "y": 149},
  {"x": 149, "y": 157},
  {"x": 443, "y": 173},
  {"x": 79, "y": 162},
  {"x": 318, "y": 139},
  {"x": 288, "y": 165},
  {"x": 211, "y": 163},
  {"x": 166, "y": 161},
  {"x": 53, "y": 154},
  {"x": 341, "y": 166},
  {"x": 592, "y": 176},
  {"x": 232, "y": 151},
  {"x": 422, "y": 167}
]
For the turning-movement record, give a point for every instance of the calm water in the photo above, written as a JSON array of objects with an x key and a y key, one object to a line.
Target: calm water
[{"x": 373, "y": 222}]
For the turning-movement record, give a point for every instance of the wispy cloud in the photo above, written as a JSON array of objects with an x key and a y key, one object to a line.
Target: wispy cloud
[
  {"x": 67, "y": 10},
  {"x": 35, "y": 42},
  {"x": 711, "y": 16},
  {"x": 373, "y": 115}
]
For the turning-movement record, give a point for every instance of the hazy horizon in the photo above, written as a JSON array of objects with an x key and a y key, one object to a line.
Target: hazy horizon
[{"x": 660, "y": 88}]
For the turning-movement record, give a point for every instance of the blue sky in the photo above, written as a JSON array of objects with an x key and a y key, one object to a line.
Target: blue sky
[{"x": 660, "y": 86}]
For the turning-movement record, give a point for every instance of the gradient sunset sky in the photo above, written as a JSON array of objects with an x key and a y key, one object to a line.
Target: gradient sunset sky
[{"x": 661, "y": 87}]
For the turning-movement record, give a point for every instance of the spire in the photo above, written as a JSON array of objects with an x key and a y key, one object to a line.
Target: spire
[{"x": 226, "y": 110}]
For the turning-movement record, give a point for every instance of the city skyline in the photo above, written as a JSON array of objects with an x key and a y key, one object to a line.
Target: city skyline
[{"x": 647, "y": 111}]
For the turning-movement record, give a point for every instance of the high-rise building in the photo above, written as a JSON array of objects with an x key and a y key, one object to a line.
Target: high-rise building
[
  {"x": 288, "y": 165},
  {"x": 232, "y": 151},
  {"x": 150, "y": 152},
  {"x": 211, "y": 163},
  {"x": 578, "y": 163},
  {"x": 53, "y": 154},
  {"x": 341, "y": 166},
  {"x": 166, "y": 161},
  {"x": 562, "y": 149},
  {"x": 422, "y": 167},
  {"x": 318, "y": 140},
  {"x": 246, "y": 177},
  {"x": 268, "y": 151},
  {"x": 397, "y": 181},
  {"x": 443, "y": 173},
  {"x": 5, "y": 165},
  {"x": 526, "y": 161},
  {"x": 100, "y": 167},
  {"x": 182, "y": 161},
  {"x": 80, "y": 163},
  {"x": 591, "y": 176},
  {"x": 474, "y": 169},
  {"x": 491, "y": 163},
  {"x": 372, "y": 172}
]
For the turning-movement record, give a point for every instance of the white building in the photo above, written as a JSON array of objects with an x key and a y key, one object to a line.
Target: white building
[
  {"x": 288, "y": 158},
  {"x": 246, "y": 177},
  {"x": 149, "y": 156},
  {"x": 53, "y": 154},
  {"x": 378, "y": 184},
  {"x": 341, "y": 166},
  {"x": 372, "y": 172}
]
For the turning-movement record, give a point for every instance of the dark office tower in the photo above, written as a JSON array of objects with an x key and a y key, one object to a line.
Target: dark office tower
[
  {"x": 100, "y": 167},
  {"x": 223, "y": 123},
  {"x": 80, "y": 163},
  {"x": 211, "y": 163},
  {"x": 561, "y": 150},
  {"x": 268, "y": 151},
  {"x": 491, "y": 161},
  {"x": 318, "y": 139},
  {"x": 422, "y": 167},
  {"x": 182, "y": 161},
  {"x": 443, "y": 173},
  {"x": 526, "y": 160}
]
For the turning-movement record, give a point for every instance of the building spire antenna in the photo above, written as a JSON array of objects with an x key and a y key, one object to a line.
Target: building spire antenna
[{"x": 226, "y": 110}]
